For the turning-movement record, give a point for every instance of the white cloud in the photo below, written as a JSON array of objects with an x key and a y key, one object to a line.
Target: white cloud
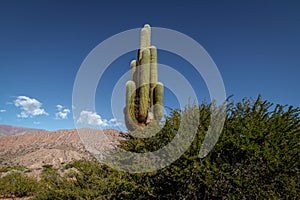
[
  {"x": 30, "y": 107},
  {"x": 59, "y": 107},
  {"x": 62, "y": 112},
  {"x": 37, "y": 123},
  {"x": 1, "y": 111},
  {"x": 93, "y": 119}
]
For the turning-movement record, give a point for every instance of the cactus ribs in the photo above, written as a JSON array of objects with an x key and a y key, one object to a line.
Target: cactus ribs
[{"x": 144, "y": 94}]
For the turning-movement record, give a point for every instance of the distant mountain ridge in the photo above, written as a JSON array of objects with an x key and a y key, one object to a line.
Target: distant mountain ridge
[
  {"x": 39, "y": 148},
  {"x": 8, "y": 130}
]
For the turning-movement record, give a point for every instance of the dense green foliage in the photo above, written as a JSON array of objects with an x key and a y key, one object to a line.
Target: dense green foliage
[
  {"x": 256, "y": 157},
  {"x": 18, "y": 185},
  {"x": 11, "y": 168}
]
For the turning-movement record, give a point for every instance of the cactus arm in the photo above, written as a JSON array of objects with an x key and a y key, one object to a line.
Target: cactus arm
[
  {"x": 153, "y": 73},
  {"x": 130, "y": 97},
  {"x": 133, "y": 71},
  {"x": 158, "y": 101}
]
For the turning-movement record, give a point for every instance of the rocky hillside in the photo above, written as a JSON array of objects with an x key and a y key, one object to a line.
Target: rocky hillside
[
  {"x": 15, "y": 130},
  {"x": 54, "y": 148}
]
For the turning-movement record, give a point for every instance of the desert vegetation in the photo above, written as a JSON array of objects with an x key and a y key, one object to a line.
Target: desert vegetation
[
  {"x": 144, "y": 94},
  {"x": 256, "y": 157}
]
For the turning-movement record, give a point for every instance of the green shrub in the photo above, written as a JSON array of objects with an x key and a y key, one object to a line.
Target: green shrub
[
  {"x": 18, "y": 184},
  {"x": 256, "y": 157},
  {"x": 10, "y": 168}
]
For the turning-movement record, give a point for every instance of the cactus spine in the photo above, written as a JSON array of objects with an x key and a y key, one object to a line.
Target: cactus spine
[{"x": 144, "y": 95}]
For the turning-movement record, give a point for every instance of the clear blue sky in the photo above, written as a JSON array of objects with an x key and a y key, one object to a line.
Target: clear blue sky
[{"x": 255, "y": 44}]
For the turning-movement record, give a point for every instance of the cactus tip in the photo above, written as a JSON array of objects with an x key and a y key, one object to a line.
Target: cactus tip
[
  {"x": 146, "y": 26},
  {"x": 133, "y": 62}
]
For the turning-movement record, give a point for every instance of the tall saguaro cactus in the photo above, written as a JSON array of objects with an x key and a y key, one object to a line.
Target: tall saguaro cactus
[{"x": 144, "y": 95}]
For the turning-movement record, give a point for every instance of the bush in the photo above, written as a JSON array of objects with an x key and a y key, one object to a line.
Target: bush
[
  {"x": 11, "y": 168},
  {"x": 88, "y": 180},
  {"x": 256, "y": 157},
  {"x": 18, "y": 184}
]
